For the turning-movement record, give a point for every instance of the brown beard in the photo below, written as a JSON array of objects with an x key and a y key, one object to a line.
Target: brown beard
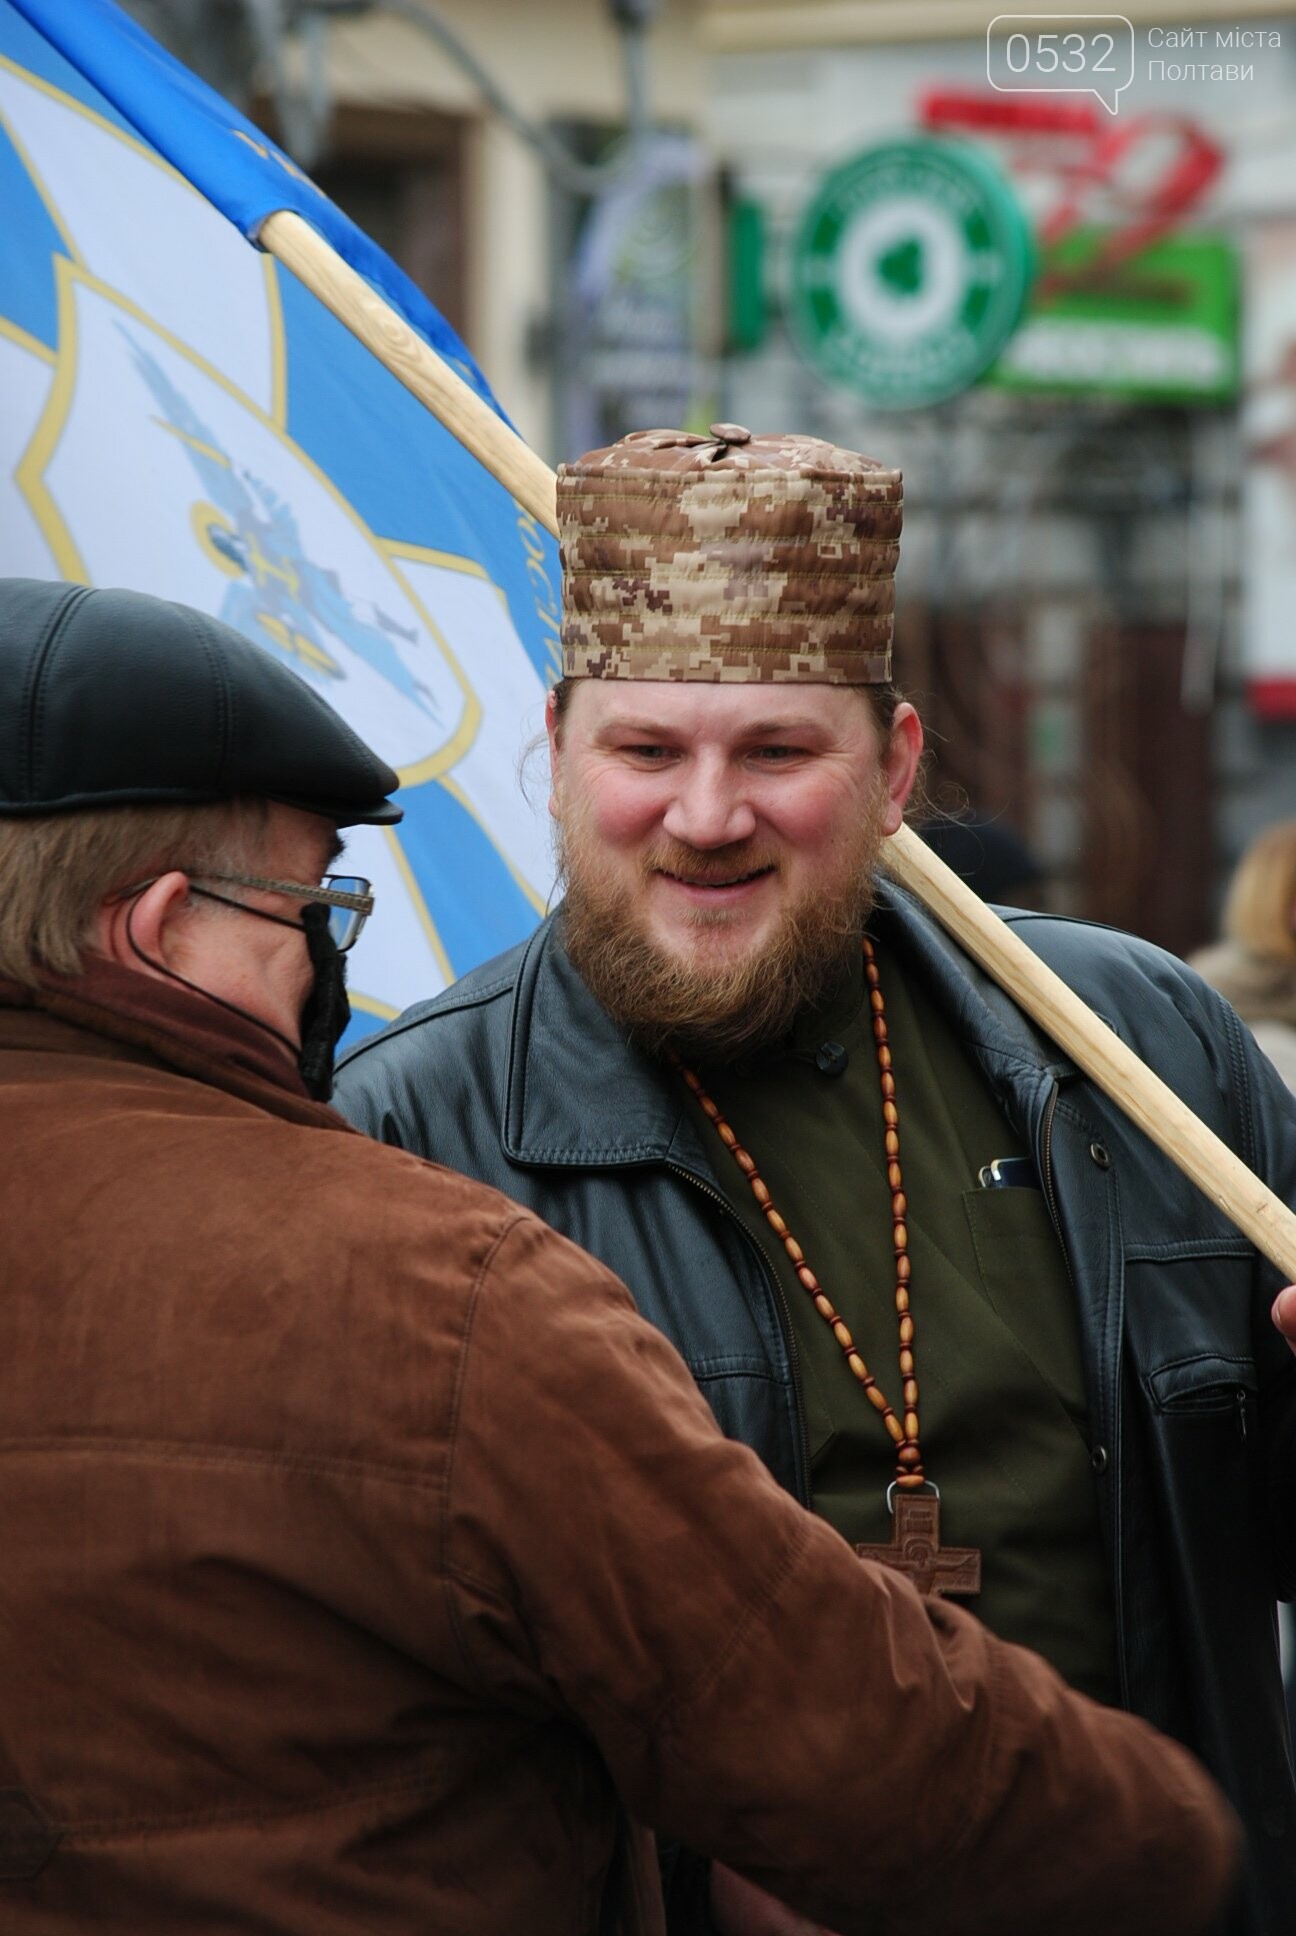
[{"x": 711, "y": 1012}]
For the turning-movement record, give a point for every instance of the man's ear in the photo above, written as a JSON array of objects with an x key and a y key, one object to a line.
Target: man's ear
[
  {"x": 553, "y": 730},
  {"x": 900, "y": 763},
  {"x": 150, "y": 919}
]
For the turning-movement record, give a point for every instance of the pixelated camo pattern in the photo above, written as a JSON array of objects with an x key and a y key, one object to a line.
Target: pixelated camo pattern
[{"x": 732, "y": 557}]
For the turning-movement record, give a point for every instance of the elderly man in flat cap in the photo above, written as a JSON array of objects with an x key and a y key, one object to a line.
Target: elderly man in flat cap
[
  {"x": 957, "y": 1304},
  {"x": 360, "y": 1541}
]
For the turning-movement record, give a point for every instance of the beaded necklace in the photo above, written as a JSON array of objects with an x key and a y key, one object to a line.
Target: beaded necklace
[{"x": 912, "y": 1498}]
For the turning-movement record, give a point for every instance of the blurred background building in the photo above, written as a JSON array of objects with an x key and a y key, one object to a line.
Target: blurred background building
[{"x": 1054, "y": 279}]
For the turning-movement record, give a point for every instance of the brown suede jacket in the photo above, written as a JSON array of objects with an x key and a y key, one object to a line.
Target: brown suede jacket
[{"x": 358, "y": 1542}]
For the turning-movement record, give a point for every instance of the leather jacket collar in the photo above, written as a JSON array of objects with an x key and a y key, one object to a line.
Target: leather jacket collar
[{"x": 559, "y": 1036}]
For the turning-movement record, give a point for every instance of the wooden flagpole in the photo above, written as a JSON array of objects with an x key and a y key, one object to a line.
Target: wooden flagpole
[
  {"x": 1097, "y": 1049},
  {"x": 291, "y": 240},
  {"x": 1231, "y": 1186}
]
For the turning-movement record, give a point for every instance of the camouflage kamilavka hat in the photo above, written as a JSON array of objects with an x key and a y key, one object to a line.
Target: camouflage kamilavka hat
[{"x": 731, "y": 557}]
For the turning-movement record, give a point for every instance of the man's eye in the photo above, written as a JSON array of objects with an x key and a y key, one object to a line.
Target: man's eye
[
  {"x": 649, "y": 754},
  {"x": 773, "y": 754}
]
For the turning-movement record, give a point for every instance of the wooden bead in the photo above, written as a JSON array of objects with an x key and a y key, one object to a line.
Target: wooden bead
[{"x": 903, "y": 1432}]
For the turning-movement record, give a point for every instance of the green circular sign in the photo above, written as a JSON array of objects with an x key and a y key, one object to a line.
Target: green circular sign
[{"x": 910, "y": 271}]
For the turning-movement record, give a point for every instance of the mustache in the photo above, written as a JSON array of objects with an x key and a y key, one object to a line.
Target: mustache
[{"x": 716, "y": 865}]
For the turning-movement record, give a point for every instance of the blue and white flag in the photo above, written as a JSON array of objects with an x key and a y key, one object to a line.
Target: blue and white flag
[{"x": 180, "y": 416}]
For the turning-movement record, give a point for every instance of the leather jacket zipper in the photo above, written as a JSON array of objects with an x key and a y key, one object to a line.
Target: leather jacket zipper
[
  {"x": 1046, "y": 1168},
  {"x": 1050, "y": 1194},
  {"x": 1050, "y": 1198},
  {"x": 1221, "y": 1400},
  {"x": 781, "y": 1305}
]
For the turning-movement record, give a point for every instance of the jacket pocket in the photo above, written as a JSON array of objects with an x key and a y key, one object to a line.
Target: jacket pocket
[
  {"x": 1206, "y": 1385},
  {"x": 1205, "y": 1422},
  {"x": 1209, "y": 1463}
]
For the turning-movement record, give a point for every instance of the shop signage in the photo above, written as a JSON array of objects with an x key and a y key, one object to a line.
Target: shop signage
[
  {"x": 1160, "y": 326},
  {"x": 910, "y": 271}
]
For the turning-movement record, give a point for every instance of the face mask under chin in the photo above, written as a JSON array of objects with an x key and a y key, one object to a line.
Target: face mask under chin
[
  {"x": 327, "y": 1011},
  {"x": 324, "y": 1016}
]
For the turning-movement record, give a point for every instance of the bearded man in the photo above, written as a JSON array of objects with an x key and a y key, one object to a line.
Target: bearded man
[{"x": 929, "y": 1272}]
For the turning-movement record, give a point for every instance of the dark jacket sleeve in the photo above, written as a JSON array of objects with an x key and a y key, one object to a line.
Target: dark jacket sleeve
[
  {"x": 757, "y": 1691},
  {"x": 1271, "y": 1109},
  {"x": 1261, "y": 1112}
]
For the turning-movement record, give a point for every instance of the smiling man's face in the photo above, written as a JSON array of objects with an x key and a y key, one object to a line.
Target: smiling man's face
[{"x": 717, "y": 844}]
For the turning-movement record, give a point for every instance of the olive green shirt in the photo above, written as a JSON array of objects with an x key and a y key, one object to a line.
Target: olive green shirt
[{"x": 1001, "y": 1394}]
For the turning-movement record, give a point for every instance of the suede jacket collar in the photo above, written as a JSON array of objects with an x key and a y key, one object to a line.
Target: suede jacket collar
[{"x": 113, "y": 1011}]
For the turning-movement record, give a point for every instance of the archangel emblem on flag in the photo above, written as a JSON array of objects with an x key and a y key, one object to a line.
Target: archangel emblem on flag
[{"x": 178, "y": 415}]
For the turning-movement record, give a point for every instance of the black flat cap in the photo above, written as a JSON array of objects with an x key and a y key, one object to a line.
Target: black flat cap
[{"x": 109, "y": 698}]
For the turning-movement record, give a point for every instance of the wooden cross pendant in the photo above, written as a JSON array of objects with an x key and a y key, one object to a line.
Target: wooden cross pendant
[{"x": 915, "y": 1549}]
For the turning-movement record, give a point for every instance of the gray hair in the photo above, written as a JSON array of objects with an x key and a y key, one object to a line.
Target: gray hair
[{"x": 57, "y": 869}]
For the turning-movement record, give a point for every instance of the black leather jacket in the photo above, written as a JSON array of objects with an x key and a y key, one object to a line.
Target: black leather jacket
[{"x": 517, "y": 1076}]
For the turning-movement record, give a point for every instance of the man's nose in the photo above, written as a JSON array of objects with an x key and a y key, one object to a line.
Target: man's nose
[{"x": 710, "y": 807}]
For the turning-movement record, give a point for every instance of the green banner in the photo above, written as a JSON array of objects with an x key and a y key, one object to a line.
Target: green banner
[{"x": 1161, "y": 326}]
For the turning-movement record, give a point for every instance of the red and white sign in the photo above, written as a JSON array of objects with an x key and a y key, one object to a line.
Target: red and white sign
[{"x": 1269, "y": 476}]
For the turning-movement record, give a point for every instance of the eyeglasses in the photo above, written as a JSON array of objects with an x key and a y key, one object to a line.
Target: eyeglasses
[{"x": 348, "y": 897}]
